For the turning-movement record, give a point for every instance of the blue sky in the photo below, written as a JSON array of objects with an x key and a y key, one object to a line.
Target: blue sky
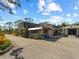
[{"x": 52, "y": 11}]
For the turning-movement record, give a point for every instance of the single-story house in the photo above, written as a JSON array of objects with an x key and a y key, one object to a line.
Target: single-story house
[{"x": 44, "y": 29}]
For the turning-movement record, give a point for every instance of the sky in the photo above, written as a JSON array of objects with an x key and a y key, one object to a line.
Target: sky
[{"x": 52, "y": 11}]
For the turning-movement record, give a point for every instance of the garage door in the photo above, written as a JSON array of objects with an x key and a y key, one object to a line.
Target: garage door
[{"x": 72, "y": 31}]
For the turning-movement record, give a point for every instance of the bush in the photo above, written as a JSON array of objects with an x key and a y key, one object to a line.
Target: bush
[
  {"x": 14, "y": 33},
  {"x": 2, "y": 34},
  {"x": 5, "y": 44},
  {"x": 25, "y": 33},
  {"x": 2, "y": 37},
  {"x": 35, "y": 36}
]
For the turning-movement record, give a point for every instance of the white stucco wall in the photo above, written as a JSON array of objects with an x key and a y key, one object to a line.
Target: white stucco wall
[
  {"x": 66, "y": 31},
  {"x": 50, "y": 32}
]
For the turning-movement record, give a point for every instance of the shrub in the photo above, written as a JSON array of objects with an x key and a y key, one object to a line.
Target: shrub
[
  {"x": 25, "y": 33},
  {"x": 14, "y": 33},
  {"x": 2, "y": 34},
  {"x": 35, "y": 36},
  {"x": 2, "y": 37},
  {"x": 5, "y": 44},
  {"x": 38, "y": 36}
]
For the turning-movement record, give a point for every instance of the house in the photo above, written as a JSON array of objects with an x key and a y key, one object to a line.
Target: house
[
  {"x": 46, "y": 29},
  {"x": 70, "y": 30},
  {"x": 23, "y": 27},
  {"x": 43, "y": 29}
]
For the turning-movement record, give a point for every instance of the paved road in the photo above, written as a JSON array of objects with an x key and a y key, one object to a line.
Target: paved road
[{"x": 64, "y": 48}]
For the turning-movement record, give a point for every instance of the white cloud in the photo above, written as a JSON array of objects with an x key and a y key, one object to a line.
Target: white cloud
[
  {"x": 76, "y": 7},
  {"x": 42, "y": 20},
  {"x": 53, "y": 7},
  {"x": 14, "y": 11},
  {"x": 45, "y": 6},
  {"x": 44, "y": 13},
  {"x": 75, "y": 15},
  {"x": 17, "y": 17},
  {"x": 2, "y": 22},
  {"x": 25, "y": 11},
  {"x": 69, "y": 20},
  {"x": 34, "y": 19},
  {"x": 41, "y": 5},
  {"x": 72, "y": 15},
  {"x": 10, "y": 4},
  {"x": 56, "y": 20},
  {"x": 68, "y": 15}
]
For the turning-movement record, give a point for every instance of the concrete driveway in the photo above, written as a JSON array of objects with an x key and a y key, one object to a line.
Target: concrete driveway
[{"x": 64, "y": 48}]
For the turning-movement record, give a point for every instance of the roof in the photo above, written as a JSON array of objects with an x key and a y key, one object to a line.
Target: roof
[
  {"x": 36, "y": 28},
  {"x": 72, "y": 26},
  {"x": 28, "y": 24}
]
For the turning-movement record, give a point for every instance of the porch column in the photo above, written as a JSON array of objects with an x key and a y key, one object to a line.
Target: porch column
[
  {"x": 77, "y": 31},
  {"x": 62, "y": 31},
  {"x": 66, "y": 31}
]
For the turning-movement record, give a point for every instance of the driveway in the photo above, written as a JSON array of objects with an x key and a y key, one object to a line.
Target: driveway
[{"x": 64, "y": 48}]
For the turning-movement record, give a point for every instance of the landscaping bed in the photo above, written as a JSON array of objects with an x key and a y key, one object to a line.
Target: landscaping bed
[
  {"x": 5, "y": 44},
  {"x": 5, "y": 47}
]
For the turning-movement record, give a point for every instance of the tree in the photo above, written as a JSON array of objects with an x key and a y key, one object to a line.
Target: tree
[
  {"x": 17, "y": 23},
  {"x": 22, "y": 26},
  {"x": 64, "y": 24},
  {"x": 5, "y": 4},
  {"x": 9, "y": 26},
  {"x": 29, "y": 20},
  {"x": 76, "y": 23}
]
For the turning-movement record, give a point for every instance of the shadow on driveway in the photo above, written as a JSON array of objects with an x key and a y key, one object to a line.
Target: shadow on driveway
[{"x": 52, "y": 39}]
